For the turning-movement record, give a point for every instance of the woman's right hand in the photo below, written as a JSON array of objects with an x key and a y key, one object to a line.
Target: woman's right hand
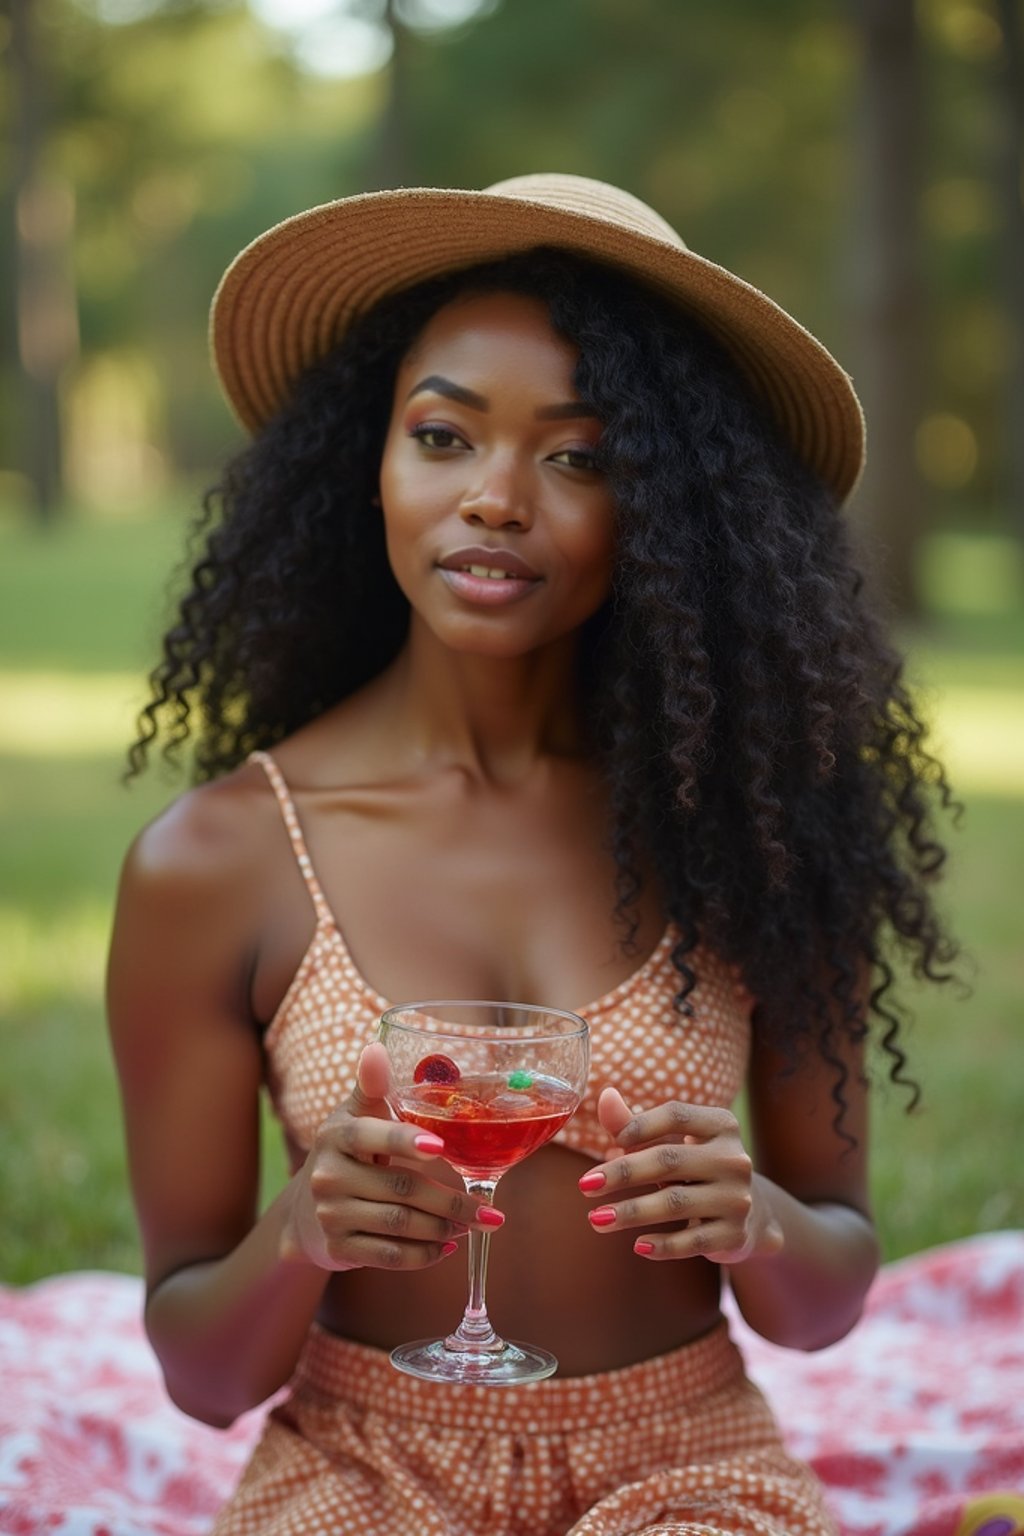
[{"x": 362, "y": 1199}]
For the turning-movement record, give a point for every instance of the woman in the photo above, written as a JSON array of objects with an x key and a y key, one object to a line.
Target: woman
[{"x": 526, "y": 660}]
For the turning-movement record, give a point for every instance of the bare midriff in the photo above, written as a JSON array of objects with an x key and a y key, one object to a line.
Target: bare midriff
[{"x": 552, "y": 1279}]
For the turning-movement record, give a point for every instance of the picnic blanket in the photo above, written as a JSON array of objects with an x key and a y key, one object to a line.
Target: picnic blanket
[{"x": 915, "y": 1422}]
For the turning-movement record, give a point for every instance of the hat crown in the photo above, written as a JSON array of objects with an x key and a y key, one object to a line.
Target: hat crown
[
  {"x": 592, "y": 200},
  {"x": 294, "y": 292}
]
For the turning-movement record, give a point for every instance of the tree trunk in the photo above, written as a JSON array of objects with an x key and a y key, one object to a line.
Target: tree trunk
[
  {"x": 1011, "y": 197},
  {"x": 887, "y": 281},
  {"x": 390, "y": 162},
  {"x": 44, "y": 292}
]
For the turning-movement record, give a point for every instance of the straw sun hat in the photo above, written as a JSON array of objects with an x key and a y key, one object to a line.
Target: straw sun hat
[{"x": 288, "y": 297}]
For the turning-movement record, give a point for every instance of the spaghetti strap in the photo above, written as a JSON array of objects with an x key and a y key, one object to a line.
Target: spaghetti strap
[{"x": 290, "y": 816}]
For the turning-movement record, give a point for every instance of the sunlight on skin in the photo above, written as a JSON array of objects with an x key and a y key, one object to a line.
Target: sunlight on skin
[{"x": 978, "y": 730}]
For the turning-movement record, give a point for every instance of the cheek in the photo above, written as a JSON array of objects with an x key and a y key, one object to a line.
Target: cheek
[
  {"x": 393, "y": 477},
  {"x": 403, "y": 508},
  {"x": 595, "y": 546},
  {"x": 399, "y": 534}
]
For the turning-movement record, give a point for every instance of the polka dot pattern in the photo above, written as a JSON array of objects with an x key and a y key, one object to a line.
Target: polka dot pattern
[
  {"x": 639, "y": 1042},
  {"x": 682, "y": 1443}
]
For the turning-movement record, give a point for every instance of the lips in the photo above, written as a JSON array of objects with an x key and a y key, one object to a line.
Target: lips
[
  {"x": 488, "y": 564},
  {"x": 485, "y": 577}
]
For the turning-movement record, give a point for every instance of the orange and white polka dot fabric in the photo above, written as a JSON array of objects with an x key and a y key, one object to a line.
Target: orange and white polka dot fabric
[
  {"x": 638, "y": 1040},
  {"x": 680, "y": 1444},
  {"x": 683, "y": 1444}
]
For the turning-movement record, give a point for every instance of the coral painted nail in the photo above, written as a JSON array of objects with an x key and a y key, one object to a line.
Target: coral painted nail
[
  {"x": 490, "y": 1216},
  {"x": 426, "y": 1141},
  {"x": 595, "y": 1179},
  {"x": 604, "y": 1216},
  {"x": 643, "y": 1249}
]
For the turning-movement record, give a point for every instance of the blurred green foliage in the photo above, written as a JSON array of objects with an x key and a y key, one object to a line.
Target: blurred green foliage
[
  {"x": 180, "y": 130},
  {"x": 71, "y": 687},
  {"x": 171, "y": 132}
]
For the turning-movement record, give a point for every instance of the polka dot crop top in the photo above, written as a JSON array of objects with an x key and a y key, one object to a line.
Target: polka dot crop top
[{"x": 639, "y": 1043}]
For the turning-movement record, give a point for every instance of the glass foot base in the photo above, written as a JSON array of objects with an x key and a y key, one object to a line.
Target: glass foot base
[{"x": 504, "y": 1367}]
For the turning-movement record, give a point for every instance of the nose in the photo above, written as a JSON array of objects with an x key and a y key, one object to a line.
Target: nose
[{"x": 500, "y": 497}]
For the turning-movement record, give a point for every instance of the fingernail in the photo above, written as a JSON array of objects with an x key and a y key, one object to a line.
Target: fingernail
[
  {"x": 604, "y": 1216},
  {"x": 490, "y": 1216},
  {"x": 593, "y": 1180},
  {"x": 447, "y": 1248},
  {"x": 643, "y": 1249},
  {"x": 426, "y": 1141}
]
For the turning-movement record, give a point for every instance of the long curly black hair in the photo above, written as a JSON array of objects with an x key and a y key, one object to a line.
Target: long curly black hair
[{"x": 762, "y": 752}]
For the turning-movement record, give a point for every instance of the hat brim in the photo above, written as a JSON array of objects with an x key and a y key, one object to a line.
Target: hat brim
[{"x": 289, "y": 297}]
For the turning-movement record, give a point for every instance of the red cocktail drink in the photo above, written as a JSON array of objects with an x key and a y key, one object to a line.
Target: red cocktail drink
[
  {"x": 495, "y": 1081},
  {"x": 486, "y": 1125}
]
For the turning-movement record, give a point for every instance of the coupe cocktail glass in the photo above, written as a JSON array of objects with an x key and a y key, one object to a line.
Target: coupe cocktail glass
[{"x": 495, "y": 1081}]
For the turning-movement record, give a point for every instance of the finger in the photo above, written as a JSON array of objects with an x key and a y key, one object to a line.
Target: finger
[
  {"x": 679, "y": 1120},
  {"x": 685, "y": 1162},
  {"x": 345, "y": 1192},
  {"x": 367, "y": 1102},
  {"x": 408, "y": 1223},
  {"x": 369, "y": 1138},
  {"x": 373, "y": 1077},
  {"x": 365, "y": 1250},
  {"x": 729, "y": 1200},
  {"x": 675, "y": 1203},
  {"x": 713, "y": 1240},
  {"x": 654, "y": 1165},
  {"x": 613, "y": 1112}
]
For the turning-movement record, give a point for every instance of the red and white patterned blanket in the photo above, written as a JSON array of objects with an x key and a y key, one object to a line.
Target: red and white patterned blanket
[{"x": 909, "y": 1421}]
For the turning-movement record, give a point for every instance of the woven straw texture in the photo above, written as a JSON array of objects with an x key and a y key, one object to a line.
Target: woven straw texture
[{"x": 288, "y": 297}]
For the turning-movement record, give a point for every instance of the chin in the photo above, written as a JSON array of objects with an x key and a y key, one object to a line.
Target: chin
[{"x": 477, "y": 640}]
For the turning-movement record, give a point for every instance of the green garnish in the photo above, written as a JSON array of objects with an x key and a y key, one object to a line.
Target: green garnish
[{"x": 520, "y": 1080}]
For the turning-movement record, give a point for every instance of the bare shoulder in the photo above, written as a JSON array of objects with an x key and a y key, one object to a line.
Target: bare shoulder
[
  {"x": 190, "y": 902},
  {"x": 205, "y": 836},
  {"x": 185, "y": 1044}
]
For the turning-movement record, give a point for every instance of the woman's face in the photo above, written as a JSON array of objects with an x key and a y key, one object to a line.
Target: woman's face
[{"x": 500, "y": 530}]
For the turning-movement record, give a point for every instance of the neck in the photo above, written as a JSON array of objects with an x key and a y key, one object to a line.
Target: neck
[{"x": 494, "y": 717}]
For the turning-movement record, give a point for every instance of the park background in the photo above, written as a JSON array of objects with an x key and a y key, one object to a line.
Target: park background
[{"x": 860, "y": 161}]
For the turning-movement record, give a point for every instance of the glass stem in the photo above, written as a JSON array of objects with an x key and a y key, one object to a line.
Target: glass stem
[{"x": 475, "y": 1333}]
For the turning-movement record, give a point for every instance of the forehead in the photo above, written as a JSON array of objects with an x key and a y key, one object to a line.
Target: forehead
[{"x": 490, "y": 329}]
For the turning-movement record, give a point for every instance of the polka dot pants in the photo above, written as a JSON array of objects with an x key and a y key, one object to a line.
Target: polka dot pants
[{"x": 680, "y": 1444}]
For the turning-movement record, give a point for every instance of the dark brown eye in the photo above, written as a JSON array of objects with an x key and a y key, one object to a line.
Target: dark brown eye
[
  {"x": 435, "y": 437},
  {"x": 576, "y": 458}
]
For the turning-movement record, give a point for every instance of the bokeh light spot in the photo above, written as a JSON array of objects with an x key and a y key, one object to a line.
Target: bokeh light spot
[{"x": 947, "y": 451}]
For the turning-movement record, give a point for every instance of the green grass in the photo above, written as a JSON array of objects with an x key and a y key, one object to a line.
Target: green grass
[
  {"x": 80, "y": 613},
  {"x": 87, "y": 596},
  {"x": 953, "y": 1166}
]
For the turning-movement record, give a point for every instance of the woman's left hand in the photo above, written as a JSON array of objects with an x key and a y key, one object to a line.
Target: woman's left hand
[{"x": 683, "y": 1166}]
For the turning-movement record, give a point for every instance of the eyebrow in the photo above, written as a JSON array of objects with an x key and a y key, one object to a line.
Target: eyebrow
[{"x": 436, "y": 383}]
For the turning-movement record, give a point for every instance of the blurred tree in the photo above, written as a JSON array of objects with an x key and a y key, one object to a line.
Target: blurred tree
[
  {"x": 1010, "y": 183},
  {"x": 185, "y": 127},
  {"x": 838, "y": 157},
  {"x": 887, "y": 285},
  {"x": 42, "y": 207},
  {"x": 724, "y": 114},
  {"x": 390, "y": 159},
  {"x": 961, "y": 446}
]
